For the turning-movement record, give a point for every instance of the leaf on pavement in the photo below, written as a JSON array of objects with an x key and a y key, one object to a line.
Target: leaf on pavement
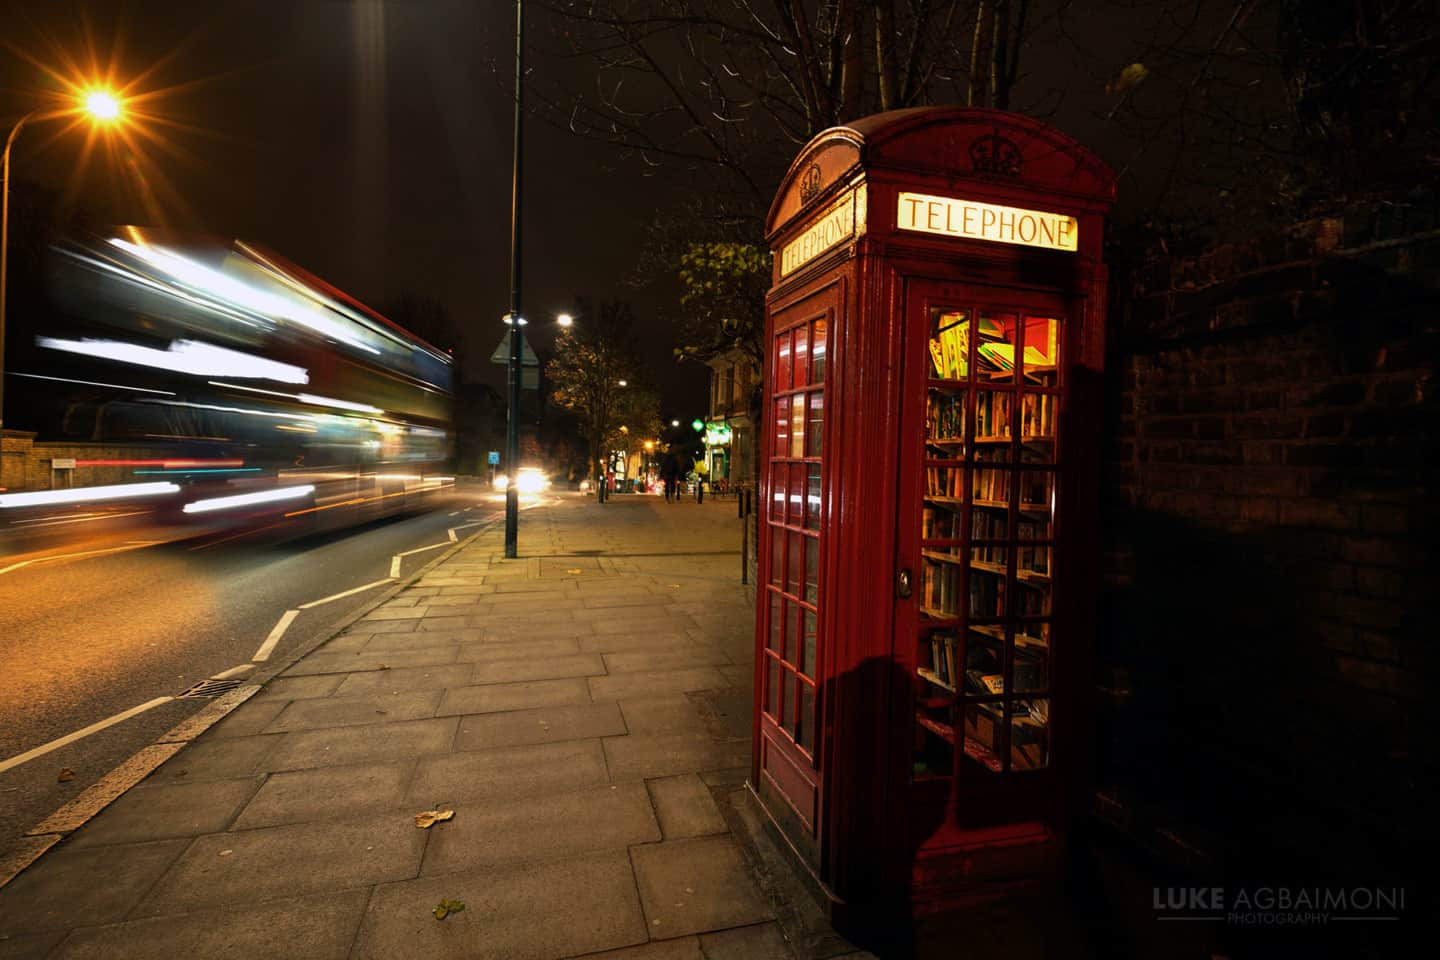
[
  {"x": 574, "y": 571},
  {"x": 428, "y": 818},
  {"x": 1128, "y": 78},
  {"x": 446, "y": 907},
  {"x": 66, "y": 775}
]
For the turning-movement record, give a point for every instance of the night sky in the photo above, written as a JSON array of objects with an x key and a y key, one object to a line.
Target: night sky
[
  {"x": 370, "y": 142},
  {"x": 373, "y": 148}
]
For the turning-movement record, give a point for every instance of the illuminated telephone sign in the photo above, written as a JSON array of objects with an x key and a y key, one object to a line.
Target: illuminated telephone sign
[{"x": 987, "y": 221}]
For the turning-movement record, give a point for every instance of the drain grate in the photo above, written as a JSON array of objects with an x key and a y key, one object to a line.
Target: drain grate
[{"x": 209, "y": 688}]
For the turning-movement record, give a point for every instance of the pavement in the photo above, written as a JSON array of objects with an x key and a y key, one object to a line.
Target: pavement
[{"x": 585, "y": 712}]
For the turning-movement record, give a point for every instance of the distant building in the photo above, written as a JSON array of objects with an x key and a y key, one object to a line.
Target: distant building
[{"x": 729, "y": 431}]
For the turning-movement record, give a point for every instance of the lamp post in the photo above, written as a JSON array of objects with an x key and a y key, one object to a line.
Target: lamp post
[
  {"x": 103, "y": 107},
  {"x": 517, "y": 336}
]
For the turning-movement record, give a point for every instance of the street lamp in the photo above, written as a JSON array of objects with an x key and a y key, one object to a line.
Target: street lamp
[
  {"x": 565, "y": 320},
  {"x": 104, "y": 108}
]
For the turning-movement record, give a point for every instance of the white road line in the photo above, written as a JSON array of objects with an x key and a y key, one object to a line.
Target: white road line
[
  {"x": 453, "y": 513},
  {"x": 433, "y": 546},
  {"x": 70, "y": 738},
  {"x": 395, "y": 567},
  {"x": 233, "y": 671},
  {"x": 453, "y": 539},
  {"x": 344, "y": 593},
  {"x": 132, "y": 545},
  {"x": 281, "y": 625}
]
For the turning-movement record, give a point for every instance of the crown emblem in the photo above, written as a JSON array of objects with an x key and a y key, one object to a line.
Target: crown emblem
[
  {"x": 810, "y": 183},
  {"x": 994, "y": 154}
]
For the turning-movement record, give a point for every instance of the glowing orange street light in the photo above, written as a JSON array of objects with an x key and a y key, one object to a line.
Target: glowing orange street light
[{"x": 104, "y": 108}]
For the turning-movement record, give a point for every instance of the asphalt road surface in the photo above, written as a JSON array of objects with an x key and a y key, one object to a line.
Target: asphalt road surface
[{"x": 93, "y": 628}]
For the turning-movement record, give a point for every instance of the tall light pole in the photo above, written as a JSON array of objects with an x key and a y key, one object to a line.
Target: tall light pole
[
  {"x": 103, "y": 107},
  {"x": 517, "y": 336}
]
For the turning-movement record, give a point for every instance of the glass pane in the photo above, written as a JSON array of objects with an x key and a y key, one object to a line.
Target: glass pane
[
  {"x": 814, "y": 422},
  {"x": 995, "y": 352},
  {"x": 1037, "y": 504},
  {"x": 777, "y": 621},
  {"x": 782, "y": 428},
  {"x": 1042, "y": 351},
  {"x": 945, "y": 425},
  {"x": 807, "y": 651},
  {"x": 812, "y": 496},
  {"x": 772, "y": 689},
  {"x": 1030, "y": 735},
  {"x": 949, "y": 344},
  {"x": 989, "y": 523},
  {"x": 791, "y": 702},
  {"x": 984, "y": 724},
  {"x": 934, "y": 742},
  {"x": 797, "y": 425},
  {"x": 777, "y": 556},
  {"x": 987, "y": 584},
  {"x": 1032, "y": 657},
  {"x": 795, "y": 562},
  {"x": 1033, "y": 595},
  {"x": 802, "y": 357},
  {"x": 992, "y": 487},
  {"x": 993, "y": 414},
  {"x": 939, "y": 586},
  {"x": 782, "y": 363},
  {"x": 817, "y": 351},
  {"x": 1037, "y": 417},
  {"x": 985, "y": 661},
  {"x": 944, "y": 485},
  {"x": 778, "y": 484},
  {"x": 938, "y": 667},
  {"x": 812, "y": 569},
  {"x": 940, "y": 522},
  {"x": 807, "y": 717},
  {"x": 797, "y": 494}
]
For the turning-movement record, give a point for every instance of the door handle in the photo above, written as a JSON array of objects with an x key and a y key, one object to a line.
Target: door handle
[{"x": 902, "y": 584}]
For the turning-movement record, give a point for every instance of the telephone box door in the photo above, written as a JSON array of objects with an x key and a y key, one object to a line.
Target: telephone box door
[{"x": 983, "y": 415}]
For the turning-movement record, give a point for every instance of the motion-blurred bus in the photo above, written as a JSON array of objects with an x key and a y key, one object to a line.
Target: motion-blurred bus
[{"x": 252, "y": 387}]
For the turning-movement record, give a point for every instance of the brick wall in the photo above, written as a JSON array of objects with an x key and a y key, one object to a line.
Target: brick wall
[{"x": 1267, "y": 642}]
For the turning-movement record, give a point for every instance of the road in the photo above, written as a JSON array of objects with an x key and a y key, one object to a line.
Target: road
[{"x": 89, "y": 630}]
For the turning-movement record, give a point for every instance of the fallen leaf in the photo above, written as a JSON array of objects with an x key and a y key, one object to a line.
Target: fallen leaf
[
  {"x": 383, "y": 666},
  {"x": 66, "y": 775},
  {"x": 444, "y": 908},
  {"x": 226, "y": 853},
  {"x": 428, "y": 818},
  {"x": 1128, "y": 78},
  {"x": 576, "y": 570}
]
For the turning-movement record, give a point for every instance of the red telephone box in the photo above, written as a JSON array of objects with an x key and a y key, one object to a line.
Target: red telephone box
[{"x": 928, "y": 544}]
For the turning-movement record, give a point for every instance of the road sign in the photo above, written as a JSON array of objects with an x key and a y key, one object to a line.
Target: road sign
[
  {"x": 63, "y": 463},
  {"x": 502, "y": 353},
  {"x": 494, "y": 458}
]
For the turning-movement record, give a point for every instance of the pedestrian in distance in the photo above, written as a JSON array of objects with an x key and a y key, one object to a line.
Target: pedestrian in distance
[{"x": 701, "y": 471}]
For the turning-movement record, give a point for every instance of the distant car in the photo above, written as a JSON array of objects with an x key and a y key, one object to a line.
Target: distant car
[{"x": 527, "y": 480}]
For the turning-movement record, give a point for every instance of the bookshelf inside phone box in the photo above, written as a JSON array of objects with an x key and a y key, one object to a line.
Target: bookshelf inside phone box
[{"x": 935, "y": 338}]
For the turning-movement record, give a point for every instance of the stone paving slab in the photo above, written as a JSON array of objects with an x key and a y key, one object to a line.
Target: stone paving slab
[
  {"x": 493, "y": 651},
  {"x": 349, "y": 711},
  {"x": 483, "y": 775},
  {"x": 165, "y": 811},
  {"x": 248, "y": 719},
  {"x": 637, "y": 757},
  {"x": 391, "y": 643},
  {"x": 622, "y": 642},
  {"x": 495, "y": 697},
  {"x": 663, "y": 714},
  {"x": 300, "y": 688},
  {"x": 64, "y": 891},
  {"x": 763, "y": 941},
  {"x": 380, "y": 660},
  {"x": 684, "y": 807},
  {"x": 550, "y": 826},
  {"x": 326, "y": 793},
  {"x": 542, "y": 911},
  {"x": 378, "y": 741},
  {"x": 539, "y": 668},
  {"x": 650, "y": 660},
  {"x": 543, "y": 725},
  {"x": 286, "y": 861},
  {"x": 684, "y": 948},
  {"x": 29, "y": 946},
  {"x": 695, "y": 886},
  {"x": 377, "y": 682},
  {"x": 317, "y": 927},
  {"x": 222, "y": 758},
  {"x": 647, "y": 682}
]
